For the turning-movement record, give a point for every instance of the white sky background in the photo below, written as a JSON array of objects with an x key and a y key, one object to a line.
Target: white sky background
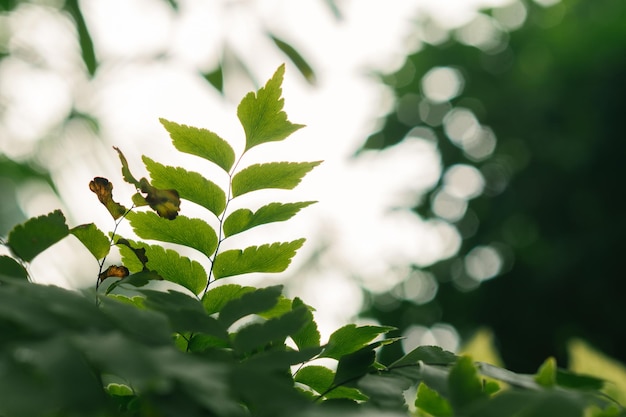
[{"x": 361, "y": 220}]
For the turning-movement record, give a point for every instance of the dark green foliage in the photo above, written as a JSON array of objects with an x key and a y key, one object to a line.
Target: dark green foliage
[{"x": 204, "y": 349}]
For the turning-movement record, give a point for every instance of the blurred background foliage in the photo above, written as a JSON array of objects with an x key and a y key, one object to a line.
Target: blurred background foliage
[
  {"x": 527, "y": 99},
  {"x": 523, "y": 106}
]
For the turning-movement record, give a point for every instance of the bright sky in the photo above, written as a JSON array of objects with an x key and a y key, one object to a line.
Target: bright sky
[{"x": 362, "y": 223}]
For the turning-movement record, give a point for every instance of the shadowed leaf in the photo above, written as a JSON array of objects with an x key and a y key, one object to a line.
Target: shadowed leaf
[
  {"x": 254, "y": 302},
  {"x": 29, "y": 239},
  {"x": 10, "y": 268},
  {"x": 218, "y": 297},
  {"x": 464, "y": 384},
  {"x": 430, "y": 401}
]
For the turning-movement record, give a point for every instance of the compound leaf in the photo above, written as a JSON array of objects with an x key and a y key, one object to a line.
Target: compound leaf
[
  {"x": 168, "y": 264},
  {"x": 194, "y": 233},
  {"x": 215, "y": 299},
  {"x": 244, "y": 219},
  {"x": 308, "y": 335},
  {"x": 190, "y": 185},
  {"x": 262, "y": 115},
  {"x": 93, "y": 238},
  {"x": 202, "y": 143},
  {"x": 283, "y": 175},
  {"x": 29, "y": 239},
  {"x": 265, "y": 258},
  {"x": 351, "y": 338}
]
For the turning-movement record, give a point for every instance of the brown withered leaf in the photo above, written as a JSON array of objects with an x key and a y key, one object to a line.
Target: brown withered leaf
[
  {"x": 165, "y": 202},
  {"x": 104, "y": 190},
  {"x": 114, "y": 271}
]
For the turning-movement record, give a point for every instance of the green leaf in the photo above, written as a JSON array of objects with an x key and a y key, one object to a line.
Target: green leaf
[
  {"x": 168, "y": 264},
  {"x": 190, "y": 185},
  {"x": 385, "y": 391},
  {"x": 355, "y": 365},
  {"x": 351, "y": 338},
  {"x": 282, "y": 175},
  {"x": 216, "y": 78},
  {"x": 433, "y": 355},
  {"x": 194, "y": 233},
  {"x": 262, "y": 115},
  {"x": 258, "y": 335},
  {"x": 202, "y": 143},
  {"x": 29, "y": 239},
  {"x": 321, "y": 379},
  {"x": 254, "y": 302},
  {"x": 138, "y": 279},
  {"x": 464, "y": 384},
  {"x": 546, "y": 375},
  {"x": 119, "y": 390},
  {"x": 265, "y": 258},
  {"x": 430, "y": 401},
  {"x": 215, "y": 299},
  {"x": 84, "y": 38},
  {"x": 308, "y": 335},
  {"x": 573, "y": 380},
  {"x": 244, "y": 219},
  {"x": 93, "y": 238},
  {"x": 295, "y": 57},
  {"x": 10, "y": 268}
]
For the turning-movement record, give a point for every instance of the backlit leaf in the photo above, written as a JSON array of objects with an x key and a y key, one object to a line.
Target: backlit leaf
[
  {"x": 126, "y": 174},
  {"x": 546, "y": 375},
  {"x": 202, "y": 143},
  {"x": 194, "y": 233},
  {"x": 10, "y": 268},
  {"x": 309, "y": 335},
  {"x": 464, "y": 384},
  {"x": 430, "y": 401},
  {"x": 93, "y": 238},
  {"x": 433, "y": 355},
  {"x": 283, "y": 175},
  {"x": 165, "y": 202},
  {"x": 244, "y": 219},
  {"x": 29, "y": 239},
  {"x": 254, "y": 302},
  {"x": 351, "y": 338},
  {"x": 265, "y": 258},
  {"x": 321, "y": 379},
  {"x": 262, "y": 115},
  {"x": 104, "y": 190},
  {"x": 168, "y": 264},
  {"x": 190, "y": 185}
]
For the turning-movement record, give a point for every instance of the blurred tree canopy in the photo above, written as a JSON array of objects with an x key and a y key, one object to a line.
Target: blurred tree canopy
[{"x": 549, "y": 96}]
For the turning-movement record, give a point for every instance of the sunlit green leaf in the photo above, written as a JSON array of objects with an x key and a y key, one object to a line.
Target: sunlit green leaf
[
  {"x": 265, "y": 258},
  {"x": 464, "y": 384},
  {"x": 546, "y": 375},
  {"x": 194, "y": 233},
  {"x": 258, "y": 335},
  {"x": 93, "y": 238},
  {"x": 244, "y": 219},
  {"x": 29, "y": 239},
  {"x": 295, "y": 57},
  {"x": 10, "y": 268},
  {"x": 202, "y": 143},
  {"x": 168, "y": 264},
  {"x": 351, "y": 338},
  {"x": 190, "y": 185},
  {"x": 249, "y": 302},
  {"x": 282, "y": 175},
  {"x": 262, "y": 115},
  {"x": 430, "y": 401}
]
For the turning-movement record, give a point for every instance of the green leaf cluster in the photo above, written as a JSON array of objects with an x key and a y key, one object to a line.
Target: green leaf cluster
[{"x": 210, "y": 347}]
